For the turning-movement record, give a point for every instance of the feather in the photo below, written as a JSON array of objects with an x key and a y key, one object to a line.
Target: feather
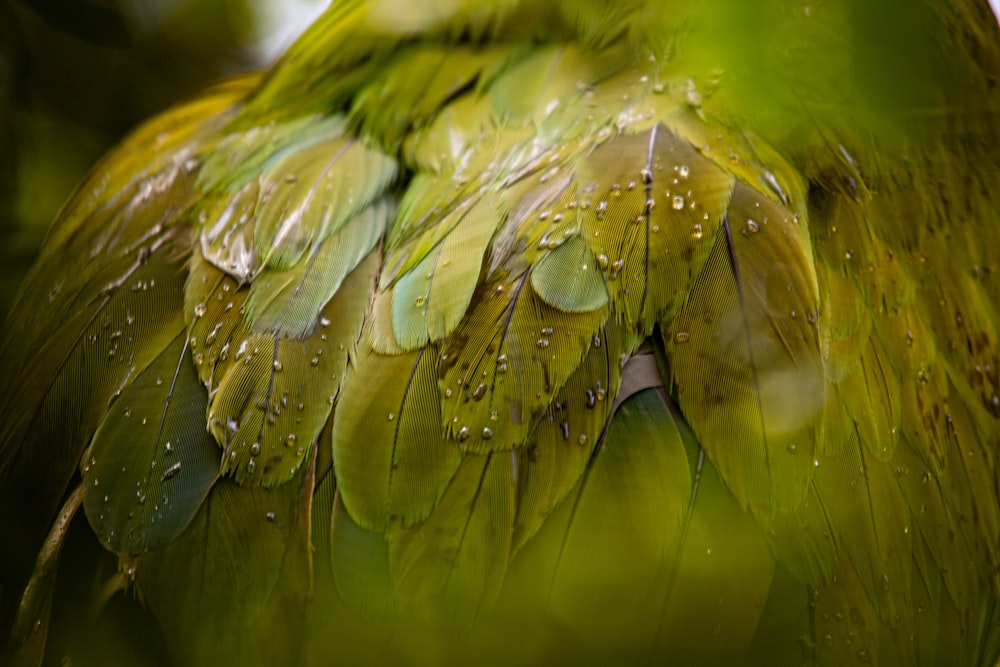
[
  {"x": 246, "y": 549},
  {"x": 574, "y": 565},
  {"x": 392, "y": 461},
  {"x": 458, "y": 556},
  {"x": 288, "y": 302},
  {"x": 430, "y": 299},
  {"x": 505, "y": 361},
  {"x": 745, "y": 355},
  {"x": 270, "y": 396},
  {"x": 569, "y": 432},
  {"x": 651, "y": 207},
  {"x": 113, "y": 323},
  {"x": 301, "y": 181},
  {"x": 151, "y": 462}
]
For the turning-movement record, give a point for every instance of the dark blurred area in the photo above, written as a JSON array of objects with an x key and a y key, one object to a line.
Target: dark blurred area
[{"x": 77, "y": 75}]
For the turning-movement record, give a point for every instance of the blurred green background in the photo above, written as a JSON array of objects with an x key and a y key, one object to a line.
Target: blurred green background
[{"x": 77, "y": 75}]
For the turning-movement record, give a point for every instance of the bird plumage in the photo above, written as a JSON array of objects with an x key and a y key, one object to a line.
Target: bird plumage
[{"x": 494, "y": 331}]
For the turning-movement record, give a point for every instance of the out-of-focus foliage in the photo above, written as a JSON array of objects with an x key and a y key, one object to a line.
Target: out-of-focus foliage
[{"x": 76, "y": 75}]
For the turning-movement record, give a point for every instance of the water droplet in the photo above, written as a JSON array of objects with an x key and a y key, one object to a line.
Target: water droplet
[
  {"x": 448, "y": 392},
  {"x": 251, "y": 466},
  {"x": 314, "y": 361},
  {"x": 753, "y": 226},
  {"x": 324, "y": 321},
  {"x": 277, "y": 365},
  {"x": 270, "y": 516},
  {"x": 169, "y": 447},
  {"x": 171, "y": 471},
  {"x": 463, "y": 434},
  {"x": 582, "y": 440},
  {"x": 683, "y": 171},
  {"x": 602, "y": 261},
  {"x": 487, "y": 433},
  {"x": 542, "y": 343},
  {"x": 677, "y": 202},
  {"x": 698, "y": 233},
  {"x": 682, "y": 337},
  {"x": 391, "y": 417},
  {"x": 590, "y": 399},
  {"x": 420, "y": 301},
  {"x": 255, "y": 449},
  {"x": 479, "y": 391}
]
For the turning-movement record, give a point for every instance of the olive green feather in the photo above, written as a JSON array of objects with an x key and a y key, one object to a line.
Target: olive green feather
[
  {"x": 247, "y": 549},
  {"x": 651, "y": 205},
  {"x": 392, "y": 460},
  {"x": 745, "y": 354},
  {"x": 270, "y": 396},
  {"x": 508, "y": 332},
  {"x": 504, "y": 363},
  {"x": 430, "y": 299},
  {"x": 452, "y": 565},
  {"x": 568, "y": 433},
  {"x": 151, "y": 462}
]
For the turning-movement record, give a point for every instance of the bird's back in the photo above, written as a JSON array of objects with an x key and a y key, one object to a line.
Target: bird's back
[{"x": 504, "y": 333}]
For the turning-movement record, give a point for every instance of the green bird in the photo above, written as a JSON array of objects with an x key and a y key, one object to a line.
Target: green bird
[{"x": 523, "y": 333}]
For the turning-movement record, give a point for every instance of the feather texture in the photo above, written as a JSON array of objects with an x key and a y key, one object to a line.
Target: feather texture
[{"x": 507, "y": 332}]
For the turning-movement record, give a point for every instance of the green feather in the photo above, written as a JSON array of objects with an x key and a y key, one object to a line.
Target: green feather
[
  {"x": 569, "y": 431},
  {"x": 246, "y": 551},
  {"x": 151, "y": 462},
  {"x": 288, "y": 302},
  {"x": 569, "y": 278},
  {"x": 505, "y": 361},
  {"x": 391, "y": 458},
  {"x": 430, "y": 299},
  {"x": 652, "y": 206},
  {"x": 311, "y": 190},
  {"x": 271, "y": 396},
  {"x": 452, "y": 565},
  {"x": 745, "y": 355}
]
